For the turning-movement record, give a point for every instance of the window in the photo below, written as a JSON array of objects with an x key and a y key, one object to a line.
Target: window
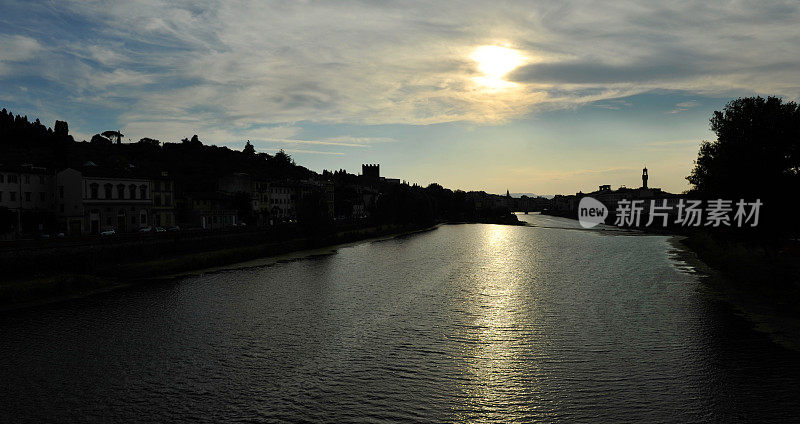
[
  {"x": 2, "y": 178},
  {"x": 93, "y": 190},
  {"x": 60, "y": 192},
  {"x": 61, "y": 208},
  {"x": 13, "y": 196},
  {"x": 1, "y": 196},
  {"x": 157, "y": 200},
  {"x": 27, "y": 196},
  {"x": 143, "y": 217},
  {"x": 143, "y": 192},
  {"x": 42, "y": 196},
  {"x": 41, "y": 179},
  {"x": 120, "y": 191},
  {"x": 133, "y": 219},
  {"x": 132, "y": 191},
  {"x": 27, "y": 179},
  {"x": 107, "y": 190},
  {"x": 167, "y": 200},
  {"x": 12, "y": 178}
]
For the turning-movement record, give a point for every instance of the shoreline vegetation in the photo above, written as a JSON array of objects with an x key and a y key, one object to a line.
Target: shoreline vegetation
[{"x": 55, "y": 285}]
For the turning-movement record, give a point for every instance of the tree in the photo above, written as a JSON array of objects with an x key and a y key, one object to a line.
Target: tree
[
  {"x": 756, "y": 155},
  {"x": 757, "y": 148},
  {"x": 116, "y": 136},
  {"x": 149, "y": 141},
  {"x": 249, "y": 149},
  {"x": 282, "y": 158},
  {"x": 100, "y": 140},
  {"x": 61, "y": 128}
]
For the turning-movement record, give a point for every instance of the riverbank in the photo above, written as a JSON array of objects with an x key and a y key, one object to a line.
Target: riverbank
[
  {"x": 758, "y": 279},
  {"x": 24, "y": 292}
]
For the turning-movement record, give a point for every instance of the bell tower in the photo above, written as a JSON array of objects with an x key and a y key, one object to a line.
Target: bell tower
[{"x": 644, "y": 177}]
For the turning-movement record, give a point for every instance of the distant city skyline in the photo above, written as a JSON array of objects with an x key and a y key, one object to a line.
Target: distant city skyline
[{"x": 548, "y": 98}]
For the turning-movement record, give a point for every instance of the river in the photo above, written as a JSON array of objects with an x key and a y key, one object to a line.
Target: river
[{"x": 464, "y": 323}]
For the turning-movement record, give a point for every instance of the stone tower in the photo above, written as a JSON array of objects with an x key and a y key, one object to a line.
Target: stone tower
[
  {"x": 644, "y": 177},
  {"x": 371, "y": 171}
]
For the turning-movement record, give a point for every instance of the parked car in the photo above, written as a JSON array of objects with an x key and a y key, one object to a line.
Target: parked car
[
  {"x": 108, "y": 232},
  {"x": 145, "y": 229},
  {"x": 174, "y": 228},
  {"x": 160, "y": 230}
]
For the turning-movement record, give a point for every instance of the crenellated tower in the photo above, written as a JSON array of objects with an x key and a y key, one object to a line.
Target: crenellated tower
[{"x": 644, "y": 177}]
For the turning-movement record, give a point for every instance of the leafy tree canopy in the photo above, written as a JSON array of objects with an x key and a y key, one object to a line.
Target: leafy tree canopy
[{"x": 756, "y": 153}]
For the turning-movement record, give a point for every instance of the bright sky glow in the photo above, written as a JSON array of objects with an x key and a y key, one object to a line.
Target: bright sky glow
[{"x": 496, "y": 62}]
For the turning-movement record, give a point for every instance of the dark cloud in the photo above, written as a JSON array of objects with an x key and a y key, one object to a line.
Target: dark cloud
[{"x": 598, "y": 73}]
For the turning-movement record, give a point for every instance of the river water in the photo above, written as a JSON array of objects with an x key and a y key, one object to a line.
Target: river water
[{"x": 465, "y": 323}]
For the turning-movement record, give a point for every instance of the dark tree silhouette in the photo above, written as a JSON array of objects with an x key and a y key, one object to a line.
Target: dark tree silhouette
[
  {"x": 116, "y": 136},
  {"x": 100, "y": 140},
  {"x": 757, "y": 148},
  {"x": 282, "y": 158},
  {"x": 149, "y": 141},
  {"x": 249, "y": 149},
  {"x": 756, "y": 154},
  {"x": 61, "y": 128}
]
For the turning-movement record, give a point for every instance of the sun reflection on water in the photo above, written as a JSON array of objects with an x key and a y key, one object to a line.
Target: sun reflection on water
[{"x": 499, "y": 355}]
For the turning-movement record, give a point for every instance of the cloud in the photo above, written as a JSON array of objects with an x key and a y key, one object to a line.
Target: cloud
[
  {"x": 613, "y": 104},
  {"x": 14, "y": 49},
  {"x": 224, "y": 69},
  {"x": 590, "y": 73},
  {"x": 312, "y": 152},
  {"x": 345, "y": 141},
  {"x": 684, "y": 106}
]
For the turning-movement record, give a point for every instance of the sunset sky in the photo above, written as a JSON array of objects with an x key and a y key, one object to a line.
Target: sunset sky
[{"x": 545, "y": 97}]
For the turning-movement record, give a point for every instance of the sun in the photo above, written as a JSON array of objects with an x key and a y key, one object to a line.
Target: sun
[{"x": 495, "y": 62}]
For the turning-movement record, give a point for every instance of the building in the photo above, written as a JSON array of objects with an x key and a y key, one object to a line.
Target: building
[
  {"x": 207, "y": 210},
  {"x": 329, "y": 191},
  {"x": 236, "y": 183},
  {"x": 114, "y": 199},
  {"x": 568, "y": 205},
  {"x": 95, "y": 199},
  {"x": 69, "y": 202},
  {"x": 163, "y": 208},
  {"x": 26, "y": 192},
  {"x": 371, "y": 171},
  {"x": 282, "y": 198},
  {"x": 644, "y": 178},
  {"x": 326, "y": 191},
  {"x": 261, "y": 204},
  {"x": 242, "y": 187}
]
